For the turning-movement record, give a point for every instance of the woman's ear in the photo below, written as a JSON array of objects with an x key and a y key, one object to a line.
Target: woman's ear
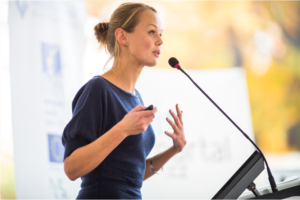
[{"x": 120, "y": 35}]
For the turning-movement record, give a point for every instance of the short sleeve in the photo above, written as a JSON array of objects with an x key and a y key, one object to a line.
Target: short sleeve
[{"x": 85, "y": 125}]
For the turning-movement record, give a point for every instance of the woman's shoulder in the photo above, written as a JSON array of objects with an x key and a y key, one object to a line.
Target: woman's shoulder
[
  {"x": 92, "y": 89},
  {"x": 95, "y": 80},
  {"x": 95, "y": 84}
]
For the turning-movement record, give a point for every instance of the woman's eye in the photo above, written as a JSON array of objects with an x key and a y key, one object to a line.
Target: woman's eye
[{"x": 151, "y": 32}]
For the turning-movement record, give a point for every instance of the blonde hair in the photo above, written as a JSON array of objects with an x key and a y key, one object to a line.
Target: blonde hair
[{"x": 126, "y": 16}]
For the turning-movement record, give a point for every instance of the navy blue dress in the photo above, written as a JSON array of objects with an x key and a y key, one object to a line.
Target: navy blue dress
[{"x": 96, "y": 108}]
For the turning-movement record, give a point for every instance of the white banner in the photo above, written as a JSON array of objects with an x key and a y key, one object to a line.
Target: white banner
[
  {"x": 46, "y": 53},
  {"x": 215, "y": 148}
]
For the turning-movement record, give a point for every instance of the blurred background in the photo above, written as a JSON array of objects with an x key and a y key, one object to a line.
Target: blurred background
[{"x": 261, "y": 38}]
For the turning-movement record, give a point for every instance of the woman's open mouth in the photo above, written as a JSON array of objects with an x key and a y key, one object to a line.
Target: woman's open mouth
[{"x": 156, "y": 53}]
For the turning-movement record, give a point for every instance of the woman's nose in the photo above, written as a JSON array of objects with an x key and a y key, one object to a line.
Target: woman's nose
[{"x": 160, "y": 42}]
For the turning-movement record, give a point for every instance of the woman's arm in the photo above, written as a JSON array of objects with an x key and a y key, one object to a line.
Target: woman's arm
[
  {"x": 158, "y": 161},
  {"x": 85, "y": 159},
  {"x": 179, "y": 143}
]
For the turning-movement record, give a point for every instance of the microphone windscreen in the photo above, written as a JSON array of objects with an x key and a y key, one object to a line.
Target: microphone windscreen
[{"x": 173, "y": 62}]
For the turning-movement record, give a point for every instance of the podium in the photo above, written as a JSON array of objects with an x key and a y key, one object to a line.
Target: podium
[
  {"x": 244, "y": 178},
  {"x": 290, "y": 193},
  {"x": 286, "y": 190}
]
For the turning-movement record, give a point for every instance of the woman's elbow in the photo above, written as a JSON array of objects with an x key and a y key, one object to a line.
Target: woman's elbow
[{"x": 69, "y": 171}]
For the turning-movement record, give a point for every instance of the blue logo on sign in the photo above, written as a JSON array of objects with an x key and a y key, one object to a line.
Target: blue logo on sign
[
  {"x": 51, "y": 59},
  {"x": 22, "y": 7},
  {"x": 56, "y": 149}
]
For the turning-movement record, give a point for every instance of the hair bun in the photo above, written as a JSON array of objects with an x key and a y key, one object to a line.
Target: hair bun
[{"x": 101, "y": 30}]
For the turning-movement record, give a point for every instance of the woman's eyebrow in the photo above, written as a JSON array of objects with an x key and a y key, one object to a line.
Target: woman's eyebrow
[{"x": 153, "y": 25}]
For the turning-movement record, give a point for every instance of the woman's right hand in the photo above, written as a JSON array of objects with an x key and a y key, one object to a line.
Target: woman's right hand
[
  {"x": 137, "y": 120},
  {"x": 85, "y": 159}
]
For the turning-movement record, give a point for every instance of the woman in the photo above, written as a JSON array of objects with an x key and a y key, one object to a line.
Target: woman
[{"x": 109, "y": 136}]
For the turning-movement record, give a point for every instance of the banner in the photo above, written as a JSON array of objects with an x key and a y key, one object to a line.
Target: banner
[
  {"x": 215, "y": 149},
  {"x": 46, "y": 52}
]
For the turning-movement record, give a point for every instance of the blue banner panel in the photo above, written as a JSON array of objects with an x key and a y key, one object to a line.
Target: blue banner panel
[{"x": 56, "y": 149}]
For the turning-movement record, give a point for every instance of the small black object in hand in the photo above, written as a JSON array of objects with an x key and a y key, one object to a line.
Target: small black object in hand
[{"x": 149, "y": 107}]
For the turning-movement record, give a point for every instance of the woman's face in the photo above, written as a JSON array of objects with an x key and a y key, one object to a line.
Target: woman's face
[{"x": 145, "y": 41}]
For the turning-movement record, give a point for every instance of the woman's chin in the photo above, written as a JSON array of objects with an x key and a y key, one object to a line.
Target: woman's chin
[{"x": 152, "y": 64}]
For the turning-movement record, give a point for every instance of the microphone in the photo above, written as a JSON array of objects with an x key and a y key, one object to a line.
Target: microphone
[{"x": 175, "y": 64}]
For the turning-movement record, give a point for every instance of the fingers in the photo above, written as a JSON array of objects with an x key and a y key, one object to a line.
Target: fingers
[
  {"x": 177, "y": 122},
  {"x": 169, "y": 134},
  {"x": 179, "y": 113},
  {"x": 148, "y": 114},
  {"x": 175, "y": 128},
  {"x": 154, "y": 110},
  {"x": 138, "y": 108},
  {"x": 178, "y": 118}
]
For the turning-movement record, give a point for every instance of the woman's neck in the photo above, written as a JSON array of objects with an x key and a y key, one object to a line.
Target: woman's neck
[{"x": 128, "y": 72}]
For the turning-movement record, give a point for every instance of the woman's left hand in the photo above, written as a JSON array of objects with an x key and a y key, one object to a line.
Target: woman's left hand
[{"x": 178, "y": 135}]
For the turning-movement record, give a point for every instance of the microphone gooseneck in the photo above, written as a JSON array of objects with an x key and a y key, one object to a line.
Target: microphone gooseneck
[{"x": 175, "y": 64}]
